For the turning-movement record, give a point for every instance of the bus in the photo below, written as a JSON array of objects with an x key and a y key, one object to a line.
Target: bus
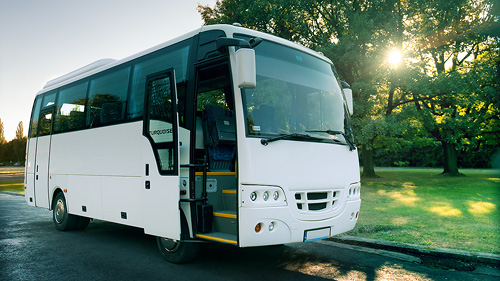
[{"x": 224, "y": 134}]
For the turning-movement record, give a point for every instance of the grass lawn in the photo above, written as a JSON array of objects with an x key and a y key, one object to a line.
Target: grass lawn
[
  {"x": 11, "y": 170},
  {"x": 14, "y": 186},
  {"x": 9, "y": 185},
  {"x": 420, "y": 206}
]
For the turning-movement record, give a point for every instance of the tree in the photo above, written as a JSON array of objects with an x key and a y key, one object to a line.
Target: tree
[
  {"x": 20, "y": 131},
  {"x": 2, "y": 133},
  {"x": 449, "y": 38},
  {"x": 2, "y": 141},
  {"x": 18, "y": 145}
]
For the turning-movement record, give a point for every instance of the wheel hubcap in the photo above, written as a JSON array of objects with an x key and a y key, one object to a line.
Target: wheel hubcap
[
  {"x": 59, "y": 211},
  {"x": 169, "y": 245}
]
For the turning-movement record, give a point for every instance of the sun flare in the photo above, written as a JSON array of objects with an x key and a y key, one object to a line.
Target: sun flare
[{"x": 395, "y": 57}]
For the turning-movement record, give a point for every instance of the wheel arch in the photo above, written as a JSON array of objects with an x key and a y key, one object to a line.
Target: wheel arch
[{"x": 56, "y": 191}]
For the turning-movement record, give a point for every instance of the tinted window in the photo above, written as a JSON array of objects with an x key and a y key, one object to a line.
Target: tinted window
[
  {"x": 160, "y": 124},
  {"x": 45, "y": 124},
  {"x": 108, "y": 97},
  {"x": 49, "y": 99},
  {"x": 34, "y": 117},
  {"x": 70, "y": 112},
  {"x": 174, "y": 57}
]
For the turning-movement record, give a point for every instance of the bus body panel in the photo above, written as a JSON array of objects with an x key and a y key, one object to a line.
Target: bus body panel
[
  {"x": 105, "y": 151},
  {"x": 42, "y": 157},
  {"x": 104, "y": 178},
  {"x": 29, "y": 177},
  {"x": 300, "y": 170},
  {"x": 286, "y": 228},
  {"x": 82, "y": 191}
]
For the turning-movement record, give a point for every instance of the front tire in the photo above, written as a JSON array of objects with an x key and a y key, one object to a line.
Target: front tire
[
  {"x": 175, "y": 251},
  {"x": 178, "y": 251},
  {"x": 63, "y": 221}
]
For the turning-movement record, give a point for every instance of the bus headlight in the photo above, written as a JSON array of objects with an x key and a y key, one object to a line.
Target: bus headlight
[
  {"x": 276, "y": 195},
  {"x": 253, "y": 196},
  {"x": 260, "y": 196}
]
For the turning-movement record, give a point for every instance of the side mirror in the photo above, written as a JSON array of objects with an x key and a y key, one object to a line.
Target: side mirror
[
  {"x": 348, "y": 96},
  {"x": 245, "y": 63}
]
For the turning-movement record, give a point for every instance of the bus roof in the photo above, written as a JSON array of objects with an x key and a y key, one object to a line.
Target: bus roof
[{"x": 104, "y": 64}]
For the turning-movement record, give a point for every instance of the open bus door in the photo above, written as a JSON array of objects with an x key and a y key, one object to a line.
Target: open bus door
[
  {"x": 161, "y": 187},
  {"x": 162, "y": 216}
]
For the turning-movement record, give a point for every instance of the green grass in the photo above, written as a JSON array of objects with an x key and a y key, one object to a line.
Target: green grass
[
  {"x": 11, "y": 170},
  {"x": 14, "y": 186},
  {"x": 420, "y": 206}
]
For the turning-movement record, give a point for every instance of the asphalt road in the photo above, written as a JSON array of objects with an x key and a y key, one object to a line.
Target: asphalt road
[{"x": 31, "y": 249}]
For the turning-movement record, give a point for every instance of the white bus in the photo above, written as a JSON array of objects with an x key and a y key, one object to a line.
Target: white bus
[{"x": 224, "y": 134}]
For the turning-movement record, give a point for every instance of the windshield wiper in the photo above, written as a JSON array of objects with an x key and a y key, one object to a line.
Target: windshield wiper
[
  {"x": 347, "y": 138},
  {"x": 330, "y": 132},
  {"x": 286, "y": 136}
]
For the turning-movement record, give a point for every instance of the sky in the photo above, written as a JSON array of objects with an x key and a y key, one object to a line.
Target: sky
[{"x": 43, "y": 39}]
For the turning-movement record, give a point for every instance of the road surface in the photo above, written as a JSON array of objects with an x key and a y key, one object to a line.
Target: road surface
[{"x": 31, "y": 249}]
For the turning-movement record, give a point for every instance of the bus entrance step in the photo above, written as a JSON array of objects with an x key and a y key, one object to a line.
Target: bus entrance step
[
  {"x": 225, "y": 221},
  {"x": 219, "y": 237},
  {"x": 230, "y": 198}
]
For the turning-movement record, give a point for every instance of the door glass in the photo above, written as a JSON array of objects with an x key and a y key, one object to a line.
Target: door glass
[
  {"x": 161, "y": 121},
  {"x": 34, "y": 118},
  {"x": 45, "y": 124}
]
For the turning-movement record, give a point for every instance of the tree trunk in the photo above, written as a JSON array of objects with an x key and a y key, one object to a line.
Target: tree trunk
[
  {"x": 368, "y": 166},
  {"x": 450, "y": 161}
]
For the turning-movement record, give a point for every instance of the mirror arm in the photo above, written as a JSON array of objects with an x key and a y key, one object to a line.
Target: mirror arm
[
  {"x": 223, "y": 42},
  {"x": 231, "y": 42}
]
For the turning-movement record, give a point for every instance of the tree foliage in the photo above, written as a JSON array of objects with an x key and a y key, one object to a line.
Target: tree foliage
[
  {"x": 445, "y": 91},
  {"x": 2, "y": 133},
  {"x": 14, "y": 150}
]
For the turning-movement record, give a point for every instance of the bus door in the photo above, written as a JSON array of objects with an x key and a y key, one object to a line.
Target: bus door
[
  {"x": 161, "y": 190},
  {"x": 42, "y": 158}
]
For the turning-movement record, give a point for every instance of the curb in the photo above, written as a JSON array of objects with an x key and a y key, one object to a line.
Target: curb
[{"x": 430, "y": 256}]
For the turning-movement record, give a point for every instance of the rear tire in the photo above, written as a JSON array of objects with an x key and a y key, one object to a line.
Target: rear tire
[{"x": 63, "y": 221}]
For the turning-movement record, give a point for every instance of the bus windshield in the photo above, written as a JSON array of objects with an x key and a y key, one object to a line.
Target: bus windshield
[{"x": 296, "y": 93}]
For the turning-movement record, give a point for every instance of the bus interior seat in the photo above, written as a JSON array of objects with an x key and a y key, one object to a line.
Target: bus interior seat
[
  {"x": 220, "y": 137},
  {"x": 112, "y": 112}
]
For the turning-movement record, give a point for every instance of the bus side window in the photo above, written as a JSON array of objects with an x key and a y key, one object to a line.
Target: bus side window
[
  {"x": 107, "y": 97},
  {"x": 35, "y": 117},
  {"x": 70, "y": 108}
]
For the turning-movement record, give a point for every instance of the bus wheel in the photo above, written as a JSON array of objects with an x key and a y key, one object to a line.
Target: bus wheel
[
  {"x": 175, "y": 251},
  {"x": 62, "y": 220}
]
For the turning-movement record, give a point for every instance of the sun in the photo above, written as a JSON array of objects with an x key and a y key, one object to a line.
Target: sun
[{"x": 395, "y": 57}]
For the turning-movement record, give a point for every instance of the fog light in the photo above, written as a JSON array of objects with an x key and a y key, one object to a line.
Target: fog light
[
  {"x": 271, "y": 226},
  {"x": 276, "y": 195},
  {"x": 266, "y": 196},
  {"x": 258, "y": 227},
  {"x": 253, "y": 196}
]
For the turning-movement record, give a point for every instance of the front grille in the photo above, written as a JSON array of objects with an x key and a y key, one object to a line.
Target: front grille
[{"x": 317, "y": 201}]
